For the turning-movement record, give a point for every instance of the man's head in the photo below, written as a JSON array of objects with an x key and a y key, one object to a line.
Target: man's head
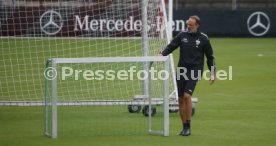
[{"x": 193, "y": 23}]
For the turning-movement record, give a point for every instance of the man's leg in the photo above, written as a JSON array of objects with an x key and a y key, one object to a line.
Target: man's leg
[
  {"x": 185, "y": 110},
  {"x": 185, "y": 101},
  {"x": 188, "y": 106},
  {"x": 182, "y": 108},
  {"x": 181, "y": 100}
]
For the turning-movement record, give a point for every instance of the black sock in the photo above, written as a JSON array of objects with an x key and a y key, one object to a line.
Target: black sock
[
  {"x": 184, "y": 125},
  {"x": 188, "y": 123}
]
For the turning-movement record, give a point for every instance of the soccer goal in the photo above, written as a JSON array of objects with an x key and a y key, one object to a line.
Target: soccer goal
[{"x": 102, "y": 88}]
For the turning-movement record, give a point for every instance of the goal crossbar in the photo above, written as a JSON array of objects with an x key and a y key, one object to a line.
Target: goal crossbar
[{"x": 110, "y": 59}]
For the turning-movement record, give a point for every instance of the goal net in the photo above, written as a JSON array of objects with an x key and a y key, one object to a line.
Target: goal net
[{"x": 34, "y": 30}]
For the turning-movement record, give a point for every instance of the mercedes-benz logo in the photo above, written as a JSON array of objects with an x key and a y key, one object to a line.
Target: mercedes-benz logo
[
  {"x": 51, "y": 22},
  {"x": 258, "y": 23}
]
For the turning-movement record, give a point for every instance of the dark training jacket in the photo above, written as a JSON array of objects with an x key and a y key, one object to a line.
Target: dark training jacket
[{"x": 193, "y": 46}]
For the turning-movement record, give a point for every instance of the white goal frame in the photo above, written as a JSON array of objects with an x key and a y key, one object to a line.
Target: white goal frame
[{"x": 54, "y": 101}]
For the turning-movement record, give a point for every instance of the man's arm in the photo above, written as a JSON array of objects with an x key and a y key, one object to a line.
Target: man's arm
[
  {"x": 172, "y": 45},
  {"x": 210, "y": 60}
]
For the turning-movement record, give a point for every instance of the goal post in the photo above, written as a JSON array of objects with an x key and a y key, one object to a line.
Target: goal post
[{"x": 55, "y": 78}]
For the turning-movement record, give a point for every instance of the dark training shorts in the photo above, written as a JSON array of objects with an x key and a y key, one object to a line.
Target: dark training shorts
[{"x": 186, "y": 81}]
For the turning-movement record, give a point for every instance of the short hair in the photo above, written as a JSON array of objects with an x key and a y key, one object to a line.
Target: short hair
[{"x": 197, "y": 19}]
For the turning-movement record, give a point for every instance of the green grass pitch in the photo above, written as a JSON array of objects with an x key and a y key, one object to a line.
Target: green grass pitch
[{"x": 237, "y": 112}]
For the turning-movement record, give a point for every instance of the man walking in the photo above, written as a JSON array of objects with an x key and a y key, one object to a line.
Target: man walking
[{"x": 193, "y": 45}]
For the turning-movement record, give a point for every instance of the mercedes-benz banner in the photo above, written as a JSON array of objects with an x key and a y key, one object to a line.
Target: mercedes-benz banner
[
  {"x": 83, "y": 21},
  {"x": 253, "y": 23}
]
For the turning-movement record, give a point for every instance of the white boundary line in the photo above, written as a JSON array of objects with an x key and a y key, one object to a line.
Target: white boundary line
[{"x": 138, "y": 101}]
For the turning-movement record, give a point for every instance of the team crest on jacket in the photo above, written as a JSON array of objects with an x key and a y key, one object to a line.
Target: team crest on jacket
[{"x": 197, "y": 42}]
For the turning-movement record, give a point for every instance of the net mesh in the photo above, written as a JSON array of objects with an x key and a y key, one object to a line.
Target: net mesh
[{"x": 33, "y": 31}]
